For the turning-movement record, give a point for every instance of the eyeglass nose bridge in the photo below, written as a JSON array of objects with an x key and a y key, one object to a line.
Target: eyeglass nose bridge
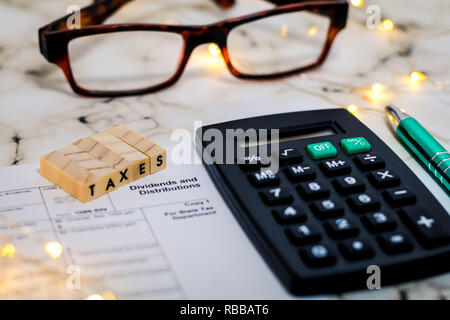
[{"x": 207, "y": 35}]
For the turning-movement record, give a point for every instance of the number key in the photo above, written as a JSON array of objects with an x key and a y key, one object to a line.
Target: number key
[
  {"x": 289, "y": 214},
  {"x": 276, "y": 196},
  {"x": 303, "y": 234},
  {"x": 363, "y": 202},
  {"x": 341, "y": 228},
  {"x": 318, "y": 255},
  {"x": 327, "y": 209},
  {"x": 313, "y": 190},
  {"x": 348, "y": 185},
  {"x": 379, "y": 222}
]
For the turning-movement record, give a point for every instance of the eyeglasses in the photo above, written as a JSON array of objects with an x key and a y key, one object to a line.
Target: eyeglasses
[{"x": 128, "y": 59}]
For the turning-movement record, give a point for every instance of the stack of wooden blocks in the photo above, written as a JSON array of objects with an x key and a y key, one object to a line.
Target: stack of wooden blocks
[{"x": 93, "y": 166}]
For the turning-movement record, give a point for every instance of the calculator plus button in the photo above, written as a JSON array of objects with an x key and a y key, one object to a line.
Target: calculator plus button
[
  {"x": 300, "y": 173},
  {"x": 275, "y": 196},
  {"x": 399, "y": 196},
  {"x": 303, "y": 234},
  {"x": 394, "y": 243},
  {"x": 321, "y": 150},
  {"x": 356, "y": 249},
  {"x": 290, "y": 155},
  {"x": 355, "y": 145},
  {"x": 313, "y": 190},
  {"x": 335, "y": 167},
  {"x": 290, "y": 214},
  {"x": 329, "y": 208},
  {"x": 363, "y": 202},
  {"x": 264, "y": 178},
  {"x": 318, "y": 255},
  {"x": 428, "y": 228},
  {"x": 369, "y": 161},
  {"x": 379, "y": 222},
  {"x": 384, "y": 178},
  {"x": 348, "y": 185},
  {"x": 341, "y": 228}
]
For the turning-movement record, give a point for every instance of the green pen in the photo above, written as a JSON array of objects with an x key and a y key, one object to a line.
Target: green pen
[{"x": 421, "y": 144}]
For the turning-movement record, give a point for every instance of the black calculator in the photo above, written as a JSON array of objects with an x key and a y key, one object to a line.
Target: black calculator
[{"x": 340, "y": 207}]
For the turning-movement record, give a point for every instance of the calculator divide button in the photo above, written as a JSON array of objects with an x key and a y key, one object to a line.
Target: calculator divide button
[
  {"x": 335, "y": 167},
  {"x": 264, "y": 178},
  {"x": 276, "y": 196},
  {"x": 363, "y": 202},
  {"x": 369, "y": 161},
  {"x": 429, "y": 228},
  {"x": 348, "y": 184},
  {"x": 289, "y": 214},
  {"x": 297, "y": 173},
  {"x": 313, "y": 190},
  {"x": 303, "y": 234}
]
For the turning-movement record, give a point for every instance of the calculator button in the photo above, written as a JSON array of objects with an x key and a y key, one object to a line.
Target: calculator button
[
  {"x": 318, "y": 255},
  {"x": 395, "y": 243},
  {"x": 341, "y": 228},
  {"x": 356, "y": 249},
  {"x": 275, "y": 196},
  {"x": 399, "y": 196},
  {"x": 329, "y": 208},
  {"x": 335, "y": 167},
  {"x": 369, "y": 161},
  {"x": 264, "y": 178},
  {"x": 290, "y": 214},
  {"x": 250, "y": 162},
  {"x": 355, "y": 145},
  {"x": 303, "y": 234},
  {"x": 348, "y": 185},
  {"x": 321, "y": 150},
  {"x": 363, "y": 202},
  {"x": 290, "y": 155},
  {"x": 384, "y": 178},
  {"x": 300, "y": 173},
  {"x": 379, "y": 222},
  {"x": 313, "y": 190},
  {"x": 428, "y": 228}
]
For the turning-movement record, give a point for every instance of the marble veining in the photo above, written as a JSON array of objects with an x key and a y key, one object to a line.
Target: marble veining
[{"x": 40, "y": 113}]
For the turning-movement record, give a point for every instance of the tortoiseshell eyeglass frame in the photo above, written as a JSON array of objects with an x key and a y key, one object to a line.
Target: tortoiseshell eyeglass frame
[{"x": 55, "y": 37}]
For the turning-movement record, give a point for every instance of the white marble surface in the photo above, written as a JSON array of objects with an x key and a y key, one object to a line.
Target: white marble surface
[{"x": 39, "y": 112}]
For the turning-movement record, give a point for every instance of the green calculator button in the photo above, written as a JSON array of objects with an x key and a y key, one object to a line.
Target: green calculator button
[
  {"x": 321, "y": 150},
  {"x": 355, "y": 145}
]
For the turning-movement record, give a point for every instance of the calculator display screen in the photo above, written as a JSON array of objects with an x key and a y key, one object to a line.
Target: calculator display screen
[{"x": 296, "y": 136}]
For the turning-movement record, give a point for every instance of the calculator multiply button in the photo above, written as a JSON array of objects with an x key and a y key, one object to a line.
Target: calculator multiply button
[
  {"x": 289, "y": 214},
  {"x": 363, "y": 202},
  {"x": 302, "y": 234},
  {"x": 318, "y": 255},
  {"x": 379, "y": 222},
  {"x": 335, "y": 167},
  {"x": 394, "y": 243},
  {"x": 356, "y": 249},
  {"x": 313, "y": 190},
  {"x": 275, "y": 196},
  {"x": 384, "y": 178},
  {"x": 428, "y": 228},
  {"x": 290, "y": 155},
  {"x": 264, "y": 178},
  {"x": 324, "y": 209},
  {"x": 369, "y": 161},
  {"x": 321, "y": 150},
  {"x": 297, "y": 173},
  {"x": 341, "y": 228},
  {"x": 399, "y": 196},
  {"x": 355, "y": 145},
  {"x": 348, "y": 184}
]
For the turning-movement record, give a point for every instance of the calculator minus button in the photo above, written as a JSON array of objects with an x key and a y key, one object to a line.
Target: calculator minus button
[
  {"x": 275, "y": 196},
  {"x": 399, "y": 196},
  {"x": 428, "y": 228},
  {"x": 264, "y": 178}
]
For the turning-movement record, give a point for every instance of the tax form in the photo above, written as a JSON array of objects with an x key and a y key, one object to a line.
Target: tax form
[{"x": 168, "y": 235}]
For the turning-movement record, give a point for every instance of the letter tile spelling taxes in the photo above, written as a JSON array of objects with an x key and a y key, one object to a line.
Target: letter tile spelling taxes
[
  {"x": 93, "y": 166},
  {"x": 156, "y": 154}
]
